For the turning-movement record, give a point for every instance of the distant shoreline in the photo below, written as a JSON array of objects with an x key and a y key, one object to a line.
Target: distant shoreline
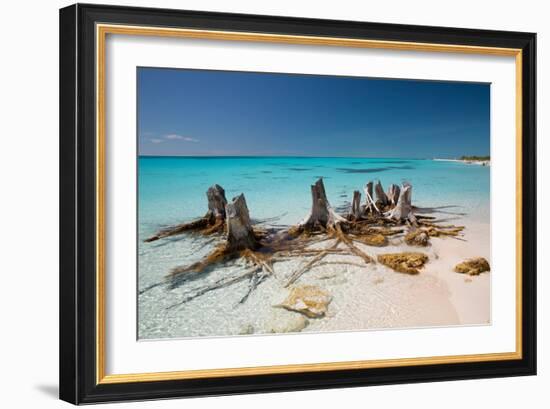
[
  {"x": 469, "y": 161},
  {"x": 280, "y": 156},
  {"x": 466, "y": 161}
]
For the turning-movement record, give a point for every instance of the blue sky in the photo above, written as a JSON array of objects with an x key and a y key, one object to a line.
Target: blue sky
[{"x": 220, "y": 113}]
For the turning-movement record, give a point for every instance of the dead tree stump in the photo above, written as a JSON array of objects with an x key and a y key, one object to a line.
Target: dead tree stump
[
  {"x": 355, "y": 211},
  {"x": 216, "y": 203},
  {"x": 240, "y": 235},
  {"x": 240, "y": 238},
  {"x": 393, "y": 194},
  {"x": 403, "y": 209},
  {"x": 212, "y": 222},
  {"x": 380, "y": 194},
  {"x": 370, "y": 205},
  {"x": 322, "y": 215}
]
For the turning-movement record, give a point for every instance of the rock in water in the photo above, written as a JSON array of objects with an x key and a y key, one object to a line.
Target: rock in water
[
  {"x": 246, "y": 330},
  {"x": 308, "y": 300},
  {"x": 473, "y": 266},
  {"x": 417, "y": 238},
  {"x": 285, "y": 321},
  {"x": 408, "y": 263}
]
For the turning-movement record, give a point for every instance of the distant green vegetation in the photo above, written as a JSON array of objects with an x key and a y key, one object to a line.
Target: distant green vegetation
[{"x": 479, "y": 158}]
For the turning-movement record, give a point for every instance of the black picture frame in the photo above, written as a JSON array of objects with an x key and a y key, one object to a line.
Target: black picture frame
[{"x": 78, "y": 360}]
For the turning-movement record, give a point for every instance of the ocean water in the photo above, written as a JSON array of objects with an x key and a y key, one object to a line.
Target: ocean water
[{"x": 172, "y": 190}]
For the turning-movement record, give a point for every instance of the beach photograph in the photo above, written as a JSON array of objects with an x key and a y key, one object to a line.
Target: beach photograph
[{"x": 283, "y": 203}]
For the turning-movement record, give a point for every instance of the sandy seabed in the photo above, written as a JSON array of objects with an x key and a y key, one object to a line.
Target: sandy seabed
[{"x": 364, "y": 297}]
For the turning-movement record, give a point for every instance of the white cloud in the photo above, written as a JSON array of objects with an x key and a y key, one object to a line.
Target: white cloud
[
  {"x": 174, "y": 136},
  {"x": 156, "y": 140}
]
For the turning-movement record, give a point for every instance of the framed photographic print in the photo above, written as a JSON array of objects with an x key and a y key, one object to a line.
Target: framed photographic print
[{"x": 257, "y": 203}]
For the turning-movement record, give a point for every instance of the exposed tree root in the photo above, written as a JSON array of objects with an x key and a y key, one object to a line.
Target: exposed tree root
[
  {"x": 439, "y": 231},
  {"x": 339, "y": 263},
  {"x": 259, "y": 259},
  {"x": 217, "y": 227},
  {"x": 307, "y": 253},
  {"x": 297, "y": 274},
  {"x": 423, "y": 217},
  {"x": 255, "y": 280},
  {"x": 261, "y": 270},
  {"x": 223, "y": 282},
  {"x": 199, "y": 224},
  {"x": 354, "y": 249},
  {"x": 241, "y": 240},
  {"x": 212, "y": 222},
  {"x": 220, "y": 254}
]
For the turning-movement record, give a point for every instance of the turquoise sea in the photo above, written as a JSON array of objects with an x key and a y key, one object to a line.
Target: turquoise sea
[{"x": 172, "y": 190}]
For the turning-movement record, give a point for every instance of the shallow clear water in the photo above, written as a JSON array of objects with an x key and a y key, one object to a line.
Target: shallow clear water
[{"x": 172, "y": 190}]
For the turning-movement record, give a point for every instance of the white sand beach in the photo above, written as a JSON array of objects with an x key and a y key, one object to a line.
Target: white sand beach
[
  {"x": 377, "y": 297},
  {"x": 364, "y": 296}
]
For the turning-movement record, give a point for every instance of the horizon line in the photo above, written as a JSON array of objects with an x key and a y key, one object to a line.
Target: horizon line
[{"x": 301, "y": 156}]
